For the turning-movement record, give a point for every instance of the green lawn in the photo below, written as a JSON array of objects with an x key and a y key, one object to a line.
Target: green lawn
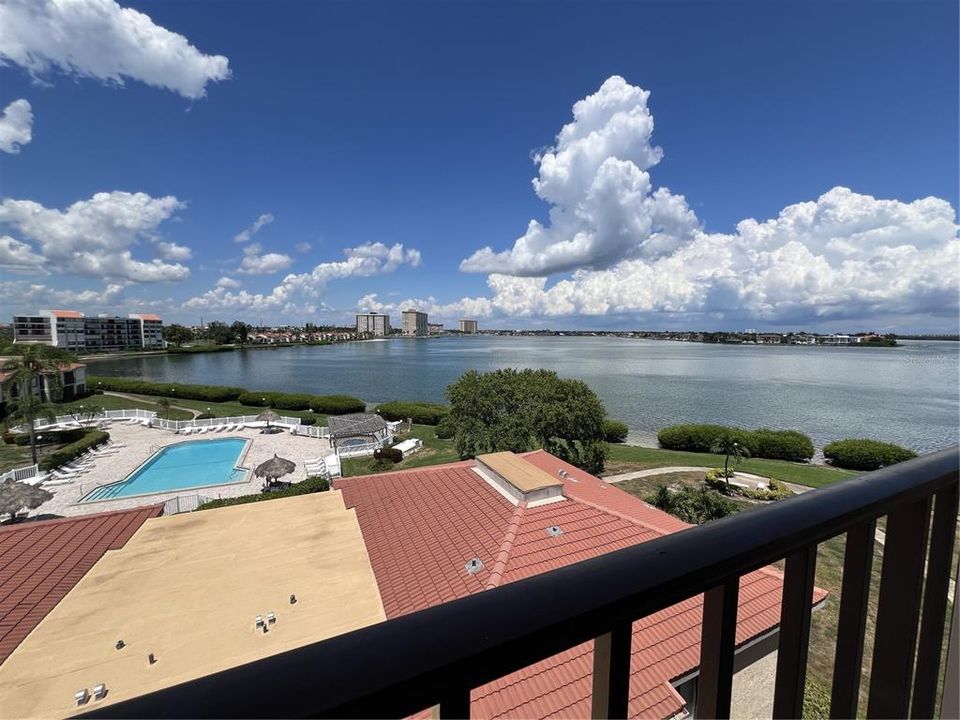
[
  {"x": 223, "y": 409},
  {"x": 13, "y": 456},
  {"x": 111, "y": 402},
  {"x": 434, "y": 452},
  {"x": 624, "y": 458}
]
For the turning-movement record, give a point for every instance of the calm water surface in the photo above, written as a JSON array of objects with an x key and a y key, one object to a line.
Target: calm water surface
[{"x": 907, "y": 395}]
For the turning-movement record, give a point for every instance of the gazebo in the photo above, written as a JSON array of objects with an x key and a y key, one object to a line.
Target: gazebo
[
  {"x": 358, "y": 429},
  {"x": 275, "y": 467}
]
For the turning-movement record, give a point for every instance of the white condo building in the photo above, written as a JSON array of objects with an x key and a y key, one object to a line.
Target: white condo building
[{"x": 373, "y": 323}]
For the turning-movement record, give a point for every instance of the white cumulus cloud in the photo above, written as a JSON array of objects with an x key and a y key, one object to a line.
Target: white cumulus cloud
[
  {"x": 296, "y": 291},
  {"x": 96, "y": 237},
  {"x": 227, "y": 282},
  {"x": 624, "y": 248},
  {"x": 266, "y": 264},
  {"x": 604, "y": 208},
  {"x": 245, "y": 235},
  {"x": 172, "y": 251},
  {"x": 16, "y": 126},
  {"x": 302, "y": 247},
  {"x": 843, "y": 256},
  {"x": 99, "y": 39}
]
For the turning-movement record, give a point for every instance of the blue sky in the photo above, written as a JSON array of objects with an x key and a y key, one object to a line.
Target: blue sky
[{"x": 366, "y": 126}]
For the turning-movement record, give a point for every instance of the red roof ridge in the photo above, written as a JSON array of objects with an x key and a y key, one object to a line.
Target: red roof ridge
[
  {"x": 500, "y": 564},
  {"x": 623, "y": 516}
]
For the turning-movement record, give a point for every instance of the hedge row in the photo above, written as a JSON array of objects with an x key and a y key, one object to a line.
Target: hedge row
[
  {"x": 210, "y": 393},
  {"x": 423, "y": 413},
  {"x": 863, "y": 454},
  {"x": 615, "y": 431},
  {"x": 50, "y": 437},
  {"x": 325, "y": 404},
  {"x": 91, "y": 438},
  {"x": 304, "y": 487},
  {"x": 774, "y": 444}
]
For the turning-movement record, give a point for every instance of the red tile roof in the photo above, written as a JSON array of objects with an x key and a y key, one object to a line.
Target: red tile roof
[
  {"x": 421, "y": 526},
  {"x": 40, "y": 562},
  {"x": 66, "y": 313}
]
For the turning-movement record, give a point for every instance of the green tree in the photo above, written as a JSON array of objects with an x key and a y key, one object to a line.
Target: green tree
[
  {"x": 241, "y": 331},
  {"x": 520, "y": 410},
  {"x": 31, "y": 375},
  {"x": 219, "y": 333},
  {"x": 727, "y": 446},
  {"x": 177, "y": 334}
]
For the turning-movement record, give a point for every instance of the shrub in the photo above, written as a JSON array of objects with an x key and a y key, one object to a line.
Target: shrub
[
  {"x": 445, "y": 428},
  {"x": 91, "y": 438},
  {"x": 210, "y": 393},
  {"x": 699, "y": 438},
  {"x": 615, "y": 431},
  {"x": 775, "y": 490},
  {"x": 308, "y": 420},
  {"x": 422, "y": 413},
  {"x": 8, "y": 438},
  {"x": 865, "y": 454},
  {"x": 780, "y": 445},
  {"x": 695, "y": 504},
  {"x": 305, "y": 487},
  {"x": 327, "y": 404},
  {"x": 205, "y": 416},
  {"x": 53, "y": 437},
  {"x": 391, "y": 454},
  {"x": 763, "y": 443}
]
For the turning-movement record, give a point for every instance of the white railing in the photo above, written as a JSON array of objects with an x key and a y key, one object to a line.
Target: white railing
[
  {"x": 249, "y": 420},
  {"x": 316, "y": 431},
  {"x": 358, "y": 450},
  {"x": 20, "y": 474},
  {"x": 184, "y": 503}
]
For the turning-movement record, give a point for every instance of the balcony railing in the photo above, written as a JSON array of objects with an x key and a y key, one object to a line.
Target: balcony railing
[{"x": 437, "y": 656}]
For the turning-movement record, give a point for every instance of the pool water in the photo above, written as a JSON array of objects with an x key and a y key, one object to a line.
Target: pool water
[{"x": 200, "y": 463}]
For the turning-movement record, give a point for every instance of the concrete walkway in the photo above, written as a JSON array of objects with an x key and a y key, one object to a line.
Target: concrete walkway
[{"x": 134, "y": 398}]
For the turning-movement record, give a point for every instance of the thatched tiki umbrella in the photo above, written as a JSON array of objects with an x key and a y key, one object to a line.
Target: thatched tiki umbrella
[
  {"x": 269, "y": 416},
  {"x": 274, "y": 468},
  {"x": 15, "y": 496}
]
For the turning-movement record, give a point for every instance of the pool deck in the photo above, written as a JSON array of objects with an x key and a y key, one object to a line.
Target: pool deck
[{"x": 143, "y": 442}]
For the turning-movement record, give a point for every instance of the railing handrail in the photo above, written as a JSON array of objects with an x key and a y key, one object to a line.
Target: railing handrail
[{"x": 412, "y": 662}]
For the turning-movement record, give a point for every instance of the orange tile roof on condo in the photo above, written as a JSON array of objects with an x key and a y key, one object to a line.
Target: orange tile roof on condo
[
  {"x": 66, "y": 313},
  {"x": 144, "y": 316},
  {"x": 421, "y": 527}
]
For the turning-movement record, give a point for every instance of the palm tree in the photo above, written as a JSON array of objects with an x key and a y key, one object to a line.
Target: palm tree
[
  {"x": 32, "y": 367},
  {"x": 164, "y": 404},
  {"x": 726, "y": 445}
]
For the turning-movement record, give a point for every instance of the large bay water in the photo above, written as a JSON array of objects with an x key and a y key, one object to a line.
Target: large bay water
[{"x": 907, "y": 395}]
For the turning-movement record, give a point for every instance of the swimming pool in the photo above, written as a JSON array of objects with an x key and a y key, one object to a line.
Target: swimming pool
[{"x": 200, "y": 463}]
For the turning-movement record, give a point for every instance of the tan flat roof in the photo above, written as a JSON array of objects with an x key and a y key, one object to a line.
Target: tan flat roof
[
  {"x": 187, "y": 588},
  {"x": 518, "y": 472}
]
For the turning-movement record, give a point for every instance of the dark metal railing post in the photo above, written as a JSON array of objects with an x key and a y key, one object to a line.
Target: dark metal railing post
[
  {"x": 898, "y": 610},
  {"x": 455, "y": 705},
  {"x": 794, "y": 633},
  {"x": 852, "y": 621},
  {"x": 718, "y": 634},
  {"x": 935, "y": 603},
  {"x": 611, "y": 672}
]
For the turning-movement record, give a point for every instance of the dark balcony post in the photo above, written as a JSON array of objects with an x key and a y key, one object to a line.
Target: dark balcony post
[
  {"x": 898, "y": 610},
  {"x": 794, "y": 633},
  {"x": 455, "y": 704},
  {"x": 718, "y": 634},
  {"x": 852, "y": 622},
  {"x": 611, "y": 672},
  {"x": 935, "y": 603}
]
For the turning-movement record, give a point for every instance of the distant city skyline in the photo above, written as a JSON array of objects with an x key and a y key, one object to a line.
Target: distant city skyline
[{"x": 703, "y": 167}]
